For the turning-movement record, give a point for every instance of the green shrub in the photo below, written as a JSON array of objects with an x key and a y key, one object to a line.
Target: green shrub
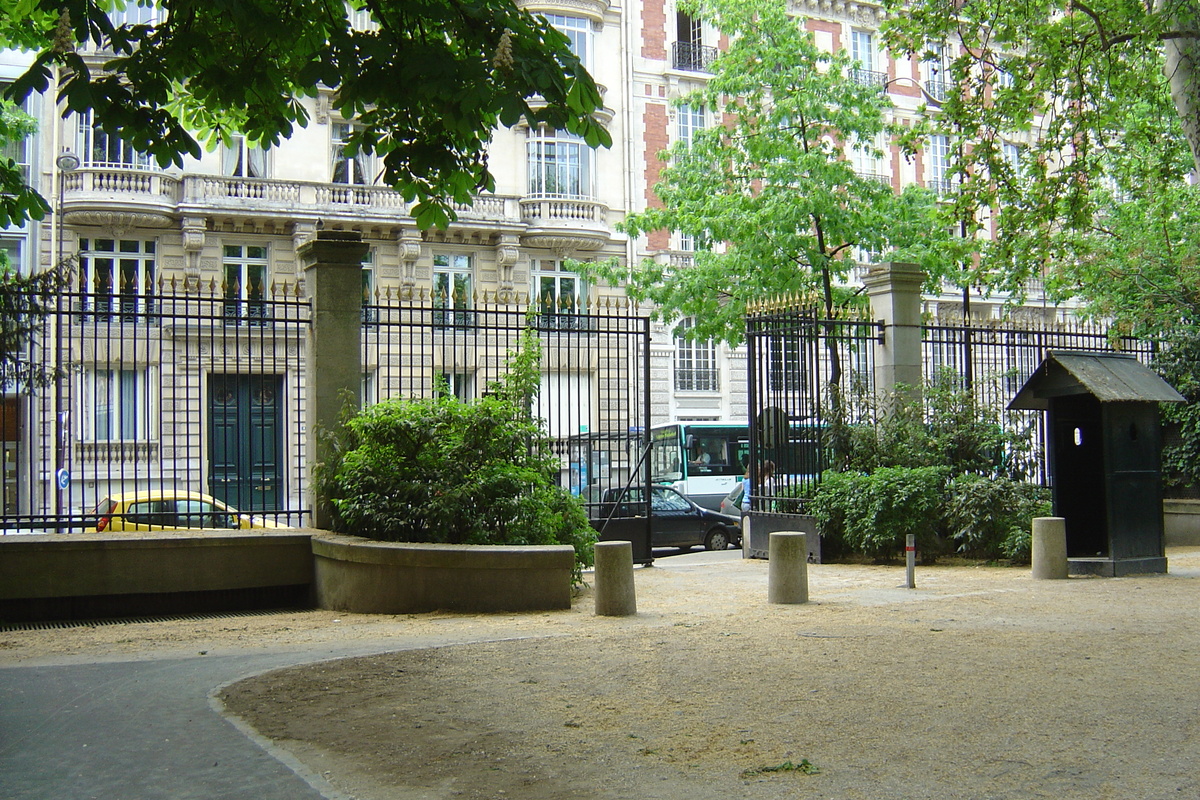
[
  {"x": 874, "y": 513},
  {"x": 992, "y": 517},
  {"x": 441, "y": 470}
]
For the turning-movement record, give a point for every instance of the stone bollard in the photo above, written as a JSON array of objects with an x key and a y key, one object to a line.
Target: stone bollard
[
  {"x": 615, "y": 596},
  {"x": 1049, "y": 548},
  {"x": 787, "y": 573}
]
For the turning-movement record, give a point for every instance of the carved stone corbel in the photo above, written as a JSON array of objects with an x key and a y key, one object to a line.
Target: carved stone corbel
[
  {"x": 194, "y": 230},
  {"x": 410, "y": 251},
  {"x": 507, "y": 253}
]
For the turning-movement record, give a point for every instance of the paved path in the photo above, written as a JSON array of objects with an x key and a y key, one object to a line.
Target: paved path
[{"x": 145, "y": 729}]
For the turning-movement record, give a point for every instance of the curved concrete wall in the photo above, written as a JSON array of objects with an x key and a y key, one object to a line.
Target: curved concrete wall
[{"x": 369, "y": 577}]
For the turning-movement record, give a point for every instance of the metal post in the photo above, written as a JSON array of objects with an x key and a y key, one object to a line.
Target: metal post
[
  {"x": 66, "y": 162},
  {"x": 910, "y": 561}
]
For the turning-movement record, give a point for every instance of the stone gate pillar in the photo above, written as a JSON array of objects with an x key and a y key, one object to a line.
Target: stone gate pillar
[
  {"x": 333, "y": 280},
  {"x": 895, "y": 292}
]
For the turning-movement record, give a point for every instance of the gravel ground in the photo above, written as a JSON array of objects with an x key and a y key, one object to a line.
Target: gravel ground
[{"x": 980, "y": 683}]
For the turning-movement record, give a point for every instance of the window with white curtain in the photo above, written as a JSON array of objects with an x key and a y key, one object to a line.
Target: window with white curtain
[
  {"x": 350, "y": 169},
  {"x": 688, "y": 121},
  {"x": 560, "y": 164},
  {"x": 117, "y": 275},
  {"x": 98, "y": 148},
  {"x": 116, "y": 404},
  {"x": 243, "y": 160},
  {"x": 695, "y": 361}
]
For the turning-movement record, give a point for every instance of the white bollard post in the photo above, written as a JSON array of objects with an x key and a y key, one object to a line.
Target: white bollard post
[
  {"x": 787, "y": 572},
  {"x": 910, "y": 561},
  {"x": 615, "y": 595},
  {"x": 1048, "y": 551}
]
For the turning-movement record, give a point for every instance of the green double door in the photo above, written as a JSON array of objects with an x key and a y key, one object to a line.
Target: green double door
[{"x": 245, "y": 456}]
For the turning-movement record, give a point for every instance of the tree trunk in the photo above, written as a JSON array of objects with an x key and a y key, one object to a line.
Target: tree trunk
[{"x": 1182, "y": 67}]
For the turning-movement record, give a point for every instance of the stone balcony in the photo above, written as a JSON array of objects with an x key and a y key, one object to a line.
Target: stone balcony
[{"x": 127, "y": 198}]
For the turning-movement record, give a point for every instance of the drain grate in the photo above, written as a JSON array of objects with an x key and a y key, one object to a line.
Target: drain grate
[{"x": 98, "y": 623}]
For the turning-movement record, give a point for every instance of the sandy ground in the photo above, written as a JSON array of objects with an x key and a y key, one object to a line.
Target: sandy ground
[{"x": 980, "y": 683}]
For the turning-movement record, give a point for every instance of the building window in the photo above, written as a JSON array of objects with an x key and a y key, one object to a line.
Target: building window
[
  {"x": 18, "y": 149},
  {"x": 867, "y": 159},
  {"x": 101, "y": 149},
  {"x": 689, "y": 51},
  {"x": 370, "y": 302},
  {"x": 459, "y": 385},
  {"x": 561, "y": 295},
  {"x": 115, "y": 405},
  {"x": 689, "y": 121},
  {"x": 695, "y": 362},
  {"x": 579, "y": 32},
  {"x": 348, "y": 169},
  {"x": 245, "y": 285},
  {"x": 117, "y": 275},
  {"x": 940, "y": 164},
  {"x": 452, "y": 287},
  {"x": 560, "y": 165},
  {"x": 12, "y": 248},
  {"x": 937, "y": 72},
  {"x": 135, "y": 13},
  {"x": 1011, "y": 153},
  {"x": 243, "y": 160},
  {"x": 864, "y": 53}
]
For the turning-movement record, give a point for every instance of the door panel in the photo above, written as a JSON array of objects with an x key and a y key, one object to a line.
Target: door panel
[{"x": 245, "y": 423}]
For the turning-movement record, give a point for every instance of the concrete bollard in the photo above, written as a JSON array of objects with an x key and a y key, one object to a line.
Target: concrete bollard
[
  {"x": 1049, "y": 548},
  {"x": 787, "y": 574},
  {"x": 615, "y": 596}
]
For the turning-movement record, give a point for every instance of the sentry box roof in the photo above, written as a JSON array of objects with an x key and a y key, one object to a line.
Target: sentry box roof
[{"x": 1109, "y": 377}]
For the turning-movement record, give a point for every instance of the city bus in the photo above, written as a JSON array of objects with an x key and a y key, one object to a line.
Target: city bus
[{"x": 705, "y": 460}]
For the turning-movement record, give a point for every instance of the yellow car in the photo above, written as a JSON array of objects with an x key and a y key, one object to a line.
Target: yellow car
[{"x": 171, "y": 510}]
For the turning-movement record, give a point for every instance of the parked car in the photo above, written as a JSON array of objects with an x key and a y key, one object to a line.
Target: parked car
[
  {"x": 172, "y": 510},
  {"x": 675, "y": 520},
  {"x": 731, "y": 504}
]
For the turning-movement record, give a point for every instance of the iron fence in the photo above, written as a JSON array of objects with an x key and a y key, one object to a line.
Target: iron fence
[
  {"x": 593, "y": 396},
  {"x": 994, "y": 359},
  {"x": 158, "y": 389},
  {"x": 797, "y": 362}
]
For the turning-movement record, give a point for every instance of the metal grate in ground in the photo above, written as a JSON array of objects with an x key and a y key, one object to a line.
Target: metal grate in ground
[{"x": 97, "y": 623}]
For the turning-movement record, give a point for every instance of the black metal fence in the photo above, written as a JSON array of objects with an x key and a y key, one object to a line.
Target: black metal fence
[
  {"x": 155, "y": 394},
  {"x": 158, "y": 390},
  {"x": 994, "y": 358},
  {"x": 594, "y": 395},
  {"x": 794, "y": 356}
]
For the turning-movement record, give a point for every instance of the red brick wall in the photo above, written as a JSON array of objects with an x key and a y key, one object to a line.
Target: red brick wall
[
  {"x": 655, "y": 139},
  {"x": 654, "y": 30}
]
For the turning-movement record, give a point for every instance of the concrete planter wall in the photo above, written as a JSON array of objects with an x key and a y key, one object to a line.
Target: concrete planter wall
[
  {"x": 82, "y": 576},
  {"x": 369, "y": 577},
  {"x": 1181, "y": 523}
]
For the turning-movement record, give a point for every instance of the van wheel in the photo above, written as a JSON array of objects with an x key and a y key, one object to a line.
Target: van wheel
[{"x": 717, "y": 539}]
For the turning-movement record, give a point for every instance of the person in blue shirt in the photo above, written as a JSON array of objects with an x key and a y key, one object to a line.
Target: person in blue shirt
[{"x": 765, "y": 471}]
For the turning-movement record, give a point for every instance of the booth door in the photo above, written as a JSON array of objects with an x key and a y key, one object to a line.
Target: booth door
[{"x": 1077, "y": 470}]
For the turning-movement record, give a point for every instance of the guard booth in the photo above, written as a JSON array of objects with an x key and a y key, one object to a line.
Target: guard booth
[{"x": 1104, "y": 454}]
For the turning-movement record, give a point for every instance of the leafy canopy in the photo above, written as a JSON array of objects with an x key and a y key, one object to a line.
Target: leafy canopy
[
  {"x": 768, "y": 194},
  {"x": 425, "y": 84},
  {"x": 1102, "y": 100}
]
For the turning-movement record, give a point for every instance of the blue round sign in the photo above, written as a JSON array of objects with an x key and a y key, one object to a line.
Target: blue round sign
[{"x": 62, "y": 478}]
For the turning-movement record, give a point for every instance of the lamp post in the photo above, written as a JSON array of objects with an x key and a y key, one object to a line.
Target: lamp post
[{"x": 66, "y": 162}]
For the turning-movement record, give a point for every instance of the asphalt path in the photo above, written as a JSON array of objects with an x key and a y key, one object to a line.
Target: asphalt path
[{"x": 147, "y": 729}]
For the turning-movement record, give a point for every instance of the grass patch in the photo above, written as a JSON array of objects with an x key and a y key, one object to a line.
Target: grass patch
[{"x": 805, "y": 766}]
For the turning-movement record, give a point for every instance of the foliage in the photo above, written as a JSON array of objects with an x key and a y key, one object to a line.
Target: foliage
[
  {"x": 26, "y": 303},
  {"x": 945, "y": 425},
  {"x": 18, "y": 202},
  {"x": 992, "y": 517},
  {"x": 1179, "y": 364},
  {"x": 804, "y": 766},
  {"x": 441, "y": 470},
  {"x": 1097, "y": 97},
  {"x": 769, "y": 197},
  {"x": 425, "y": 83},
  {"x": 874, "y": 513}
]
